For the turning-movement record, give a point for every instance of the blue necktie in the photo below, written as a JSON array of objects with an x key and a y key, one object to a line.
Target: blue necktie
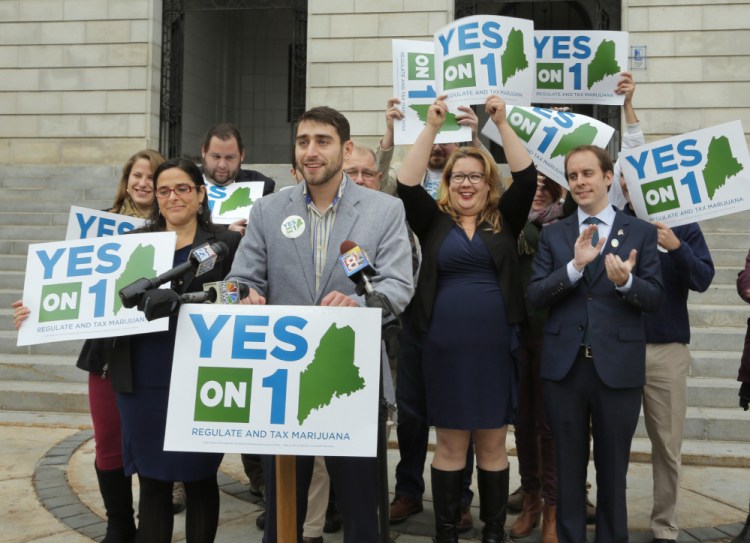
[
  {"x": 594, "y": 264},
  {"x": 590, "y": 270}
]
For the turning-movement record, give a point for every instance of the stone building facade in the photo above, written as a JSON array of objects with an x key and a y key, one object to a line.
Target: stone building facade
[{"x": 82, "y": 81}]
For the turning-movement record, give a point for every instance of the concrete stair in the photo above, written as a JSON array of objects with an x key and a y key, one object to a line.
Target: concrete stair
[{"x": 43, "y": 378}]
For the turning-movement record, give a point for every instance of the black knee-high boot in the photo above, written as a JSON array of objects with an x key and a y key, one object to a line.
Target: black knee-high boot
[
  {"x": 446, "y": 499},
  {"x": 493, "y": 503},
  {"x": 117, "y": 493},
  {"x": 744, "y": 535}
]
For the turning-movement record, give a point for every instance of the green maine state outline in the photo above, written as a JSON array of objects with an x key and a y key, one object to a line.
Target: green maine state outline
[
  {"x": 238, "y": 199},
  {"x": 450, "y": 125},
  {"x": 583, "y": 135},
  {"x": 331, "y": 373},
  {"x": 139, "y": 264},
  {"x": 513, "y": 59},
  {"x": 721, "y": 164},
  {"x": 603, "y": 64}
]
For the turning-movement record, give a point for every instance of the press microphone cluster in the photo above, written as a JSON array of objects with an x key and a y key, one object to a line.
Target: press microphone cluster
[
  {"x": 163, "y": 302},
  {"x": 202, "y": 259}
]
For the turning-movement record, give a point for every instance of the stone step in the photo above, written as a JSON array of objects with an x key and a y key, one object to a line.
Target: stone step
[
  {"x": 48, "y": 205},
  {"x": 712, "y": 424},
  {"x": 726, "y": 275},
  {"x": 718, "y": 315},
  {"x": 738, "y": 239},
  {"x": 729, "y": 454},
  {"x": 43, "y": 396},
  {"x": 8, "y": 296},
  {"x": 36, "y": 233},
  {"x": 13, "y": 263},
  {"x": 44, "y": 368},
  {"x": 739, "y": 222},
  {"x": 12, "y": 280},
  {"x": 715, "y": 364},
  {"x": 718, "y": 294},
  {"x": 717, "y": 339},
  {"x": 712, "y": 392},
  {"x": 62, "y": 195},
  {"x": 45, "y": 419},
  {"x": 85, "y": 175},
  {"x": 9, "y": 339},
  {"x": 33, "y": 219},
  {"x": 729, "y": 257}
]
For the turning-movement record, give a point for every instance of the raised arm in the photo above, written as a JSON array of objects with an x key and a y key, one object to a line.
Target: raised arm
[
  {"x": 384, "y": 152},
  {"x": 416, "y": 160},
  {"x": 515, "y": 152}
]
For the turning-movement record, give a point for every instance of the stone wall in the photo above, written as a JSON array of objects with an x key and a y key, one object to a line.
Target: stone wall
[
  {"x": 698, "y": 65},
  {"x": 79, "y": 80}
]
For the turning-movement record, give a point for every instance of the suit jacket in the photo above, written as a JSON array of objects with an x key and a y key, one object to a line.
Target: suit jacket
[
  {"x": 116, "y": 351},
  {"x": 280, "y": 267},
  {"x": 616, "y": 329}
]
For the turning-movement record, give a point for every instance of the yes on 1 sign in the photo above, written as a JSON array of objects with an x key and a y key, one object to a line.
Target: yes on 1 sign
[
  {"x": 297, "y": 380},
  {"x": 579, "y": 67},
  {"x": 71, "y": 287},
  {"x": 549, "y": 135},
  {"x": 689, "y": 178},
  {"x": 84, "y": 223},
  {"x": 232, "y": 203},
  {"x": 414, "y": 84},
  {"x": 482, "y": 55}
]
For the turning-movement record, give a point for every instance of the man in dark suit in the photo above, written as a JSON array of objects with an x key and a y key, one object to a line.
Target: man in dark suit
[{"x": 597, "y": 271}]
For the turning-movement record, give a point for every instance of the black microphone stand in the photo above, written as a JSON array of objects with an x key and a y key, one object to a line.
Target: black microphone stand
[{"x": 390, "y": 331}]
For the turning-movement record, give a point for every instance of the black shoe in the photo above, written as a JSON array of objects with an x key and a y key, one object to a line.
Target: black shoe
[
  {"x": 333, "y": 519},
  {"x": 662, "y": 540},
  {"x": 260, "y": 521}
]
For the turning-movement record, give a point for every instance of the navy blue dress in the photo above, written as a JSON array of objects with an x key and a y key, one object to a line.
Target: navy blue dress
[
  {"x": 144, "y": 412},
  {"x": 467, "y": 352}
]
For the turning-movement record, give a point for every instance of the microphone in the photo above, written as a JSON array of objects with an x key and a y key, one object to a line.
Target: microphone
[
  {"x": 158, "y": 303},
  {"x": 219, "y": 292},
  {"x": 202, "y": 259},
  {"x": 356, "y": 266}
]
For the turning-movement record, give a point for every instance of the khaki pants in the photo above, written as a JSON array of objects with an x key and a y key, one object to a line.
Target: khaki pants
[
  {"x": 664, "y": 406},
  {"x": 317, "y": 500}
]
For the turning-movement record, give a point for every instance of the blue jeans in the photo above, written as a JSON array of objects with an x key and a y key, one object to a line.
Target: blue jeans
[{"x": 412, "y": 429}]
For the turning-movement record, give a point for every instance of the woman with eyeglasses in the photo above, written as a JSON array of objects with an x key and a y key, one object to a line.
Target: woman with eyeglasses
[
  {"x": 134, "y": 197},
  {"x": 142, "y": 367},
  {"x": 467, "y": 306}
]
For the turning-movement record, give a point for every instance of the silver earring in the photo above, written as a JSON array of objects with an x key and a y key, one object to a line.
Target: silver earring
[{"x": 200, "y": 209}]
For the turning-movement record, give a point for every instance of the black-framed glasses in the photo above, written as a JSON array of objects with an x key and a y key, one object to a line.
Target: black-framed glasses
[
  {"x": 473, "y": 178},
  {"x": 179, "y": 190}
]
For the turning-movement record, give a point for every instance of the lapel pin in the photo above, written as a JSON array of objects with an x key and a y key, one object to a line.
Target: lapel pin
[
  {"x": 615, "y": 242},
  {"x": 620, "y": 232}
]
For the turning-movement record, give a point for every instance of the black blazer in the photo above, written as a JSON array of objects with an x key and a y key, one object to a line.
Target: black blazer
[
  {"x": 432, "y": 226},
  {"x": 114, "y": 353}
]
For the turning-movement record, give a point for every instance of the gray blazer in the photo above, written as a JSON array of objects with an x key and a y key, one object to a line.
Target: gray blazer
[{"x": 281, "y": 268}]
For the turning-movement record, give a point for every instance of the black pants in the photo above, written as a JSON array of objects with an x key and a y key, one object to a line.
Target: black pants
[{"x": 156, "y": 518}]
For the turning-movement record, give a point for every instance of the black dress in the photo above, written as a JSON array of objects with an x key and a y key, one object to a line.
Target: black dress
[
  {"x": 467, "y": 352},
  {"x": 144, "y": 412}
]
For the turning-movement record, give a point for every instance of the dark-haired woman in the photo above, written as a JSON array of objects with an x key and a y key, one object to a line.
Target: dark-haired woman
[
  {"x": 468, "y": 304},
  {"x": 134, "y": 198},
  {"x": 142, "y": 368}
]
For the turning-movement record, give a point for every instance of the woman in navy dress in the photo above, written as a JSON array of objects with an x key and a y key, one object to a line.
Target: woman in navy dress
[
  {"x": 142, "y": 371},
  {"x": 468, "y": 304}
]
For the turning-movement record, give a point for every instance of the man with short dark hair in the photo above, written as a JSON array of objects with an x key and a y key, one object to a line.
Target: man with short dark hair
[
  {"x": 283, "y": 268},
  {"x": 597, "y": 271},
  {"x": 222, "y": 153}
]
